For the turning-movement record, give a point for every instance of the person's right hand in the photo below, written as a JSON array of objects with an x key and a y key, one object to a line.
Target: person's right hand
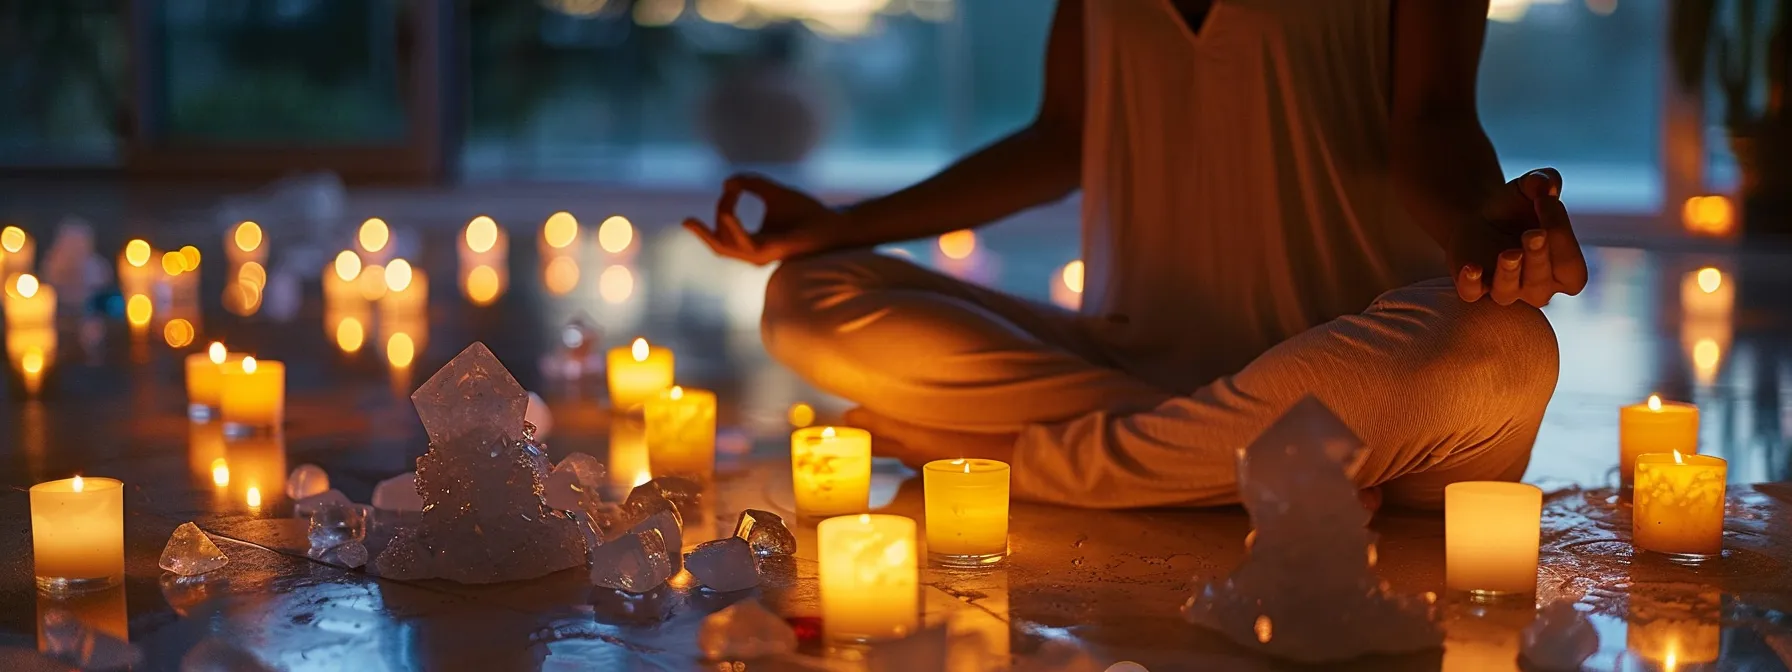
[{"x": 795, "y": 223}]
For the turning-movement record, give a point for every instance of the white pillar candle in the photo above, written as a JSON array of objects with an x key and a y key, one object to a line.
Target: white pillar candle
[
  {"x": 77, "y": 534},
  {"x": 831, "y": 471},
  {"x": 1491, "y": 535},
  {"x": 869, "y": 577}
]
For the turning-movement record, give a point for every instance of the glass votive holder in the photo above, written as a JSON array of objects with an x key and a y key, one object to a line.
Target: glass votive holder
[
  {"x": 1491, "y": 534},
  {"x": 830, "y": 471},
  {"x": 336, "y": 524},
  {"x": 77, "y": 534},
  {"x": 967, "y": 511}
]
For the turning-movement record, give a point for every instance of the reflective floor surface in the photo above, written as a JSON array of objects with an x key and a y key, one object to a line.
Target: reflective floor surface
[{"x": 1702, "y": 326}]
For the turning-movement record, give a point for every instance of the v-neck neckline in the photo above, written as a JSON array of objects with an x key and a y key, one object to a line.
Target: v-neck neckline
[{"x": 1195, "y": 36}]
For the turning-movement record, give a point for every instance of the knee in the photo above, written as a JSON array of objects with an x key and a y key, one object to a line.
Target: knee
[
  {"x": 797, "y": 293},
  {"x": 1509, "y": 359}
]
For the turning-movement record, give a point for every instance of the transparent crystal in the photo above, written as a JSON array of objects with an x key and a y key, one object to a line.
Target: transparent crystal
[
  {"x": 304, "y": 508},
  {"x": 190, "y": 551},
  {"x": 62, "y": 635},
  {"x": 473, "y": 400},
  {"x": 398, "y": 493},
  {"x": 765, "y": 532},
  {"x": 575, "y": 483},
  {"x": 306, "y": 480},
  {"x": 352, "y": 554},
  {"x": 723, "y": 565},
  {"x": 636, "y": 562},
  {"x": 1560, "y": 639},
  {"x": 216, "y": 655},
  {"x": 744, "y": 631},
  {"x": 336, "y": 524},
  {"x": 645, "y": 501},
  {"x": 1309, "y": 548}
]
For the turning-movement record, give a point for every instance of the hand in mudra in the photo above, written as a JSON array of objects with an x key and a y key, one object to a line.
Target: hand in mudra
[
  {"x": 1525, "y": 237},
  {"x": 795, "y": 223}
]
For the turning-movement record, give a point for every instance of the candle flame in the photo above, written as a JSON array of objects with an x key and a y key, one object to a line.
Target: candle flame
[
  {"x": 639, "y": 350},
  {"x": 400, "y": 350},
  {"x": 1710, "y": 279},
  {"x": 32, "y": 361},
  {"x": 348, "y": 265},
  {"x": 482, "y": 234},
  {"x": 79, "y": 484},
  {"x": 676, "y": 393},
  {"x": 27, "y": 285},
  {"x": 643, "y": 477},
  {"x": 1671, "y": 663},
  {"x": 1263, "y": 629},
  {"x": 253, "y": 497},
  {"x": 374, "y": 234},
  {"x": 864, "y": 519},
  {"x": 136, "y": 252},
  {"x": 1073, "y": 276},
  {"x": 1678, "y": 459},
  {"x": 827, "y": 432},
  {"x": 138, "y": 310},
  {"x": 967, "y": 467},
  {"x": 560, "y": 230},
  {"x": 220, "y": 472},
  {"x": 1654, "y": 402},
  {"x": 398, "y": 275},
  {"x": 248, "y": 365},
  {"x": 248, "y": 236},
  {"x": 216, "y": 352},
  {"x": 12, "y": 239},
  {"x": 614, "y": 234}
]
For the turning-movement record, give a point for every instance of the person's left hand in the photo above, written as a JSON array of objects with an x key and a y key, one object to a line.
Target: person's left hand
[
  {"x": 916, "y": 445},
  {"x": 1524, "y": 234}
]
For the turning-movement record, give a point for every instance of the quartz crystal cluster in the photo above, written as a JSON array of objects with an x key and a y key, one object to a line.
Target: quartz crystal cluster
[
  {"x": 1311, "y": 547},
  {"x": 484, "y": 518}
]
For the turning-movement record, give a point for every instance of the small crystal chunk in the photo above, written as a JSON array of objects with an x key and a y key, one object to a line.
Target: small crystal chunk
[
  {"x": 304, "y": 508},
  {"x": 337, "y": 524},
  {"x": 765, "y": 532},
  {"x": 190, "y": 551},
  {"x": 636, "y": 562},
  {"x": 307, "y": 480},
  {"x": 723, "y": 565}
]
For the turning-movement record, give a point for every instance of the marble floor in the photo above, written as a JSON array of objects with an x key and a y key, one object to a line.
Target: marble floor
[{"x": 1698, "y": 323}]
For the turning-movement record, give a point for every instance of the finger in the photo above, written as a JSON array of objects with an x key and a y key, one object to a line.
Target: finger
[
  {"x": 1506, "y": 277},
  {"x": 1538, "y": 282},
  {"x": 728, "y": 227},
  {"x": 715, "y": 244},
  {"x": 1542, "y": 183},
  {"x": 1469, "y": 285},
  {"x": 1568, "y": 261}
]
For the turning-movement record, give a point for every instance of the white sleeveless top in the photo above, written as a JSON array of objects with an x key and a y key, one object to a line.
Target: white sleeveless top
[{"x": 1235, "y": 180}]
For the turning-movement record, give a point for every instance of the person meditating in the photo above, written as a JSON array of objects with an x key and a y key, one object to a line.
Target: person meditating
[{"x": 1280, "y": 198}]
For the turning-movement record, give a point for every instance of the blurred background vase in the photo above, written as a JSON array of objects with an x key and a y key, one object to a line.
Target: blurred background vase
[
  {"x": 1738, "y": 51},
  {"x": 761, "y": 110}
]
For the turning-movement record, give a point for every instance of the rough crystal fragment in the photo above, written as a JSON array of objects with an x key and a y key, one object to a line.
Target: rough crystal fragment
[
  {"x": 765, "y": 532},
  {"x": 405, "y": 558},
  {"x": 1294, "y": 480},
  {"x": 744, "y": 631},
  {"x": 1560, "y": 639},
  {"x": 636, "y": 562},
  {"x": 61, "y": 635},
  {"x": 723, "y": 565},
  {"x": 307, "y": 480},
  {"x": 190, "y": 551},
  {"x": 352, "y": 554},
  {"x": 398, "y": 493},
  {"x": 575, "y": 483},
  {"x": 336, "y": 524},
  {"x": 473, "y": 400},
  {"x": 308, "y": 506}
]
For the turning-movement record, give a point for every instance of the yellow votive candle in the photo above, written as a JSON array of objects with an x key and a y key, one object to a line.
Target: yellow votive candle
[
  {"x": 29, "y": 303},
  {"x": 407, "y": 290},
  {"x": 205, "y": 378},
  {"x": 77, "y": 534},
  {"x": 1491, "y": 533},
  {"x": 681, "y": 433},
  {"x": 1654, "y": 426},
  {"x": 1679, "y": 504},
  {"x": 869, "y": 578},
  {"x": 484, "y": 244},
  {"x": 967, "y": 511},
  {"x": 136, "y": 275},
  {"x": 253, "y": 395},
  {"x": 18, "y": 252},
  {"x": 830, "y": 468},
  {"x": 340, "y": 278},
  {"x": 638, "y": 372}
]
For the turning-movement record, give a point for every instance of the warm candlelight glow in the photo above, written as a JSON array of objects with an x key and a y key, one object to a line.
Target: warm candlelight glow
[
  {"x": 1264, "y": 629},
  {"x": 32, "y": 362},
  {"x": 1676, "y": 629},
  {"x": 178, "y": 333},
  {"x": 967, "y": 511},
  {"x": 400, "y": 350},
  {"x": 639, "y": 350},
  {"x": 249, "y": 365},
  {"x": 868, "y": 576},
  {"x": 173, "y": 263},
  {"x": 638, "y": 373},
  {"x": 216, "y": 352},
  {"x": 247, "y": 236},
  {"x": 681, "y": 433},
  {"x": 560, "y": 230},
  {"x": 398, "y": 275},
  {"x": 138, "y": 310},
  {"x": 560, "y": 275},
  {"x": 79, "y": 484},
  {"x": 77, "y": 534},
  {"x": 482, "y": 285},
  {"x": 252, "y": 274},
  {"x": 1491, "y": 537},
  {"x": 801, "y": 415},
  {"x": 190, "y": 257},
  {"x": 830, "y": 470},
  {"x": 348, "y": 266},
  {"x": 205, "y": 379},
  {"x": 1710, "y": 279},
  {"x": 482, "y": 234},
  {"x": 12, "y": 239},
  {"x": 1679, "y": 504},
  {"x": 1708, "y": 215},
  {"x": 136, "y": 252},
  {"x": 1073, "y": 276},
  {"x": 26, "y": 286},
  {"x": 253, "y": 497},
  {"x": 220, "y": 472},
  {"x": 615, "y": 234},
  {"x": 615, "y": 284},
  {"x": 1655, "y": 426},
  {"x": 372, "y": 283},
  {"x": 252, "y": 397},
  {"x": 374, "y": 234},
  {"x": 676, "y": 393},
  {"x": 958, "y": 244},
  {"x": 350, "y": 335}
]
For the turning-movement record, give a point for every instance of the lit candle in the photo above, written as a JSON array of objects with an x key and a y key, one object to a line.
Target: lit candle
[
  {"x": 869, "y": 578},
  {"x": 205, "y": 379},
  {"x": 638, "y": 372},
  {"x": 407, "y": 290},
  {"x": 31, "y": 350},
  {"x": 681, "y": 433},
  {"x": 615, "y": 235},
  {"x": 136, "y": 277},
  {"x": 17, "y": 251},
  {"x": 375, "y": 240},
  {"x": 1654, "y": 426},
  {"x": 831, "y": 471},
  {"x": 1676, "y": 630},
  {"x": 1706, "y": 293},
  {"x": 77, "y": 534},
  {"x": 967, "y": 511},
  {"x": 341, "y": 276},
  {"x": 1491, "y": 534},
  {"x": 244, "y": 244},
  {"x": 29, "y": 303},
  {"x": 1679, "y": 504},
  {"x": 253, "y": 396},
  {"x": 483, "y": 243},
  {"x": 559, "y": 234}
]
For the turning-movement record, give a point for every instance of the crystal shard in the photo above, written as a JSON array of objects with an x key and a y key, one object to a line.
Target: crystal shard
[
  {"x": 398, "y": 493},
  {"x": 1295, "y": 482},
  {"x": 723, "y": 565},
  {"x": 352, "y": 554},
  {"x": 636, "y": 562},
  {"x": 306, "y": 480},
  {"x": 575, "y": 483},
  {"x": 765, "y": 532},
  {"x": 336, "y": 524},
  {"x": 304, "y": 508},
  {"x": 473, "y": 400},
  {"x": 744, "y": 631},
  {"x": 650, "y": 498},
  {"x": 190, "y": 551},
  {"x": 1560, "y": 639}
]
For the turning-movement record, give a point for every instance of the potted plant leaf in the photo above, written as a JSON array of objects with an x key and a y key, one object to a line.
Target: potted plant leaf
[{"x": 1739, "y": 48}]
